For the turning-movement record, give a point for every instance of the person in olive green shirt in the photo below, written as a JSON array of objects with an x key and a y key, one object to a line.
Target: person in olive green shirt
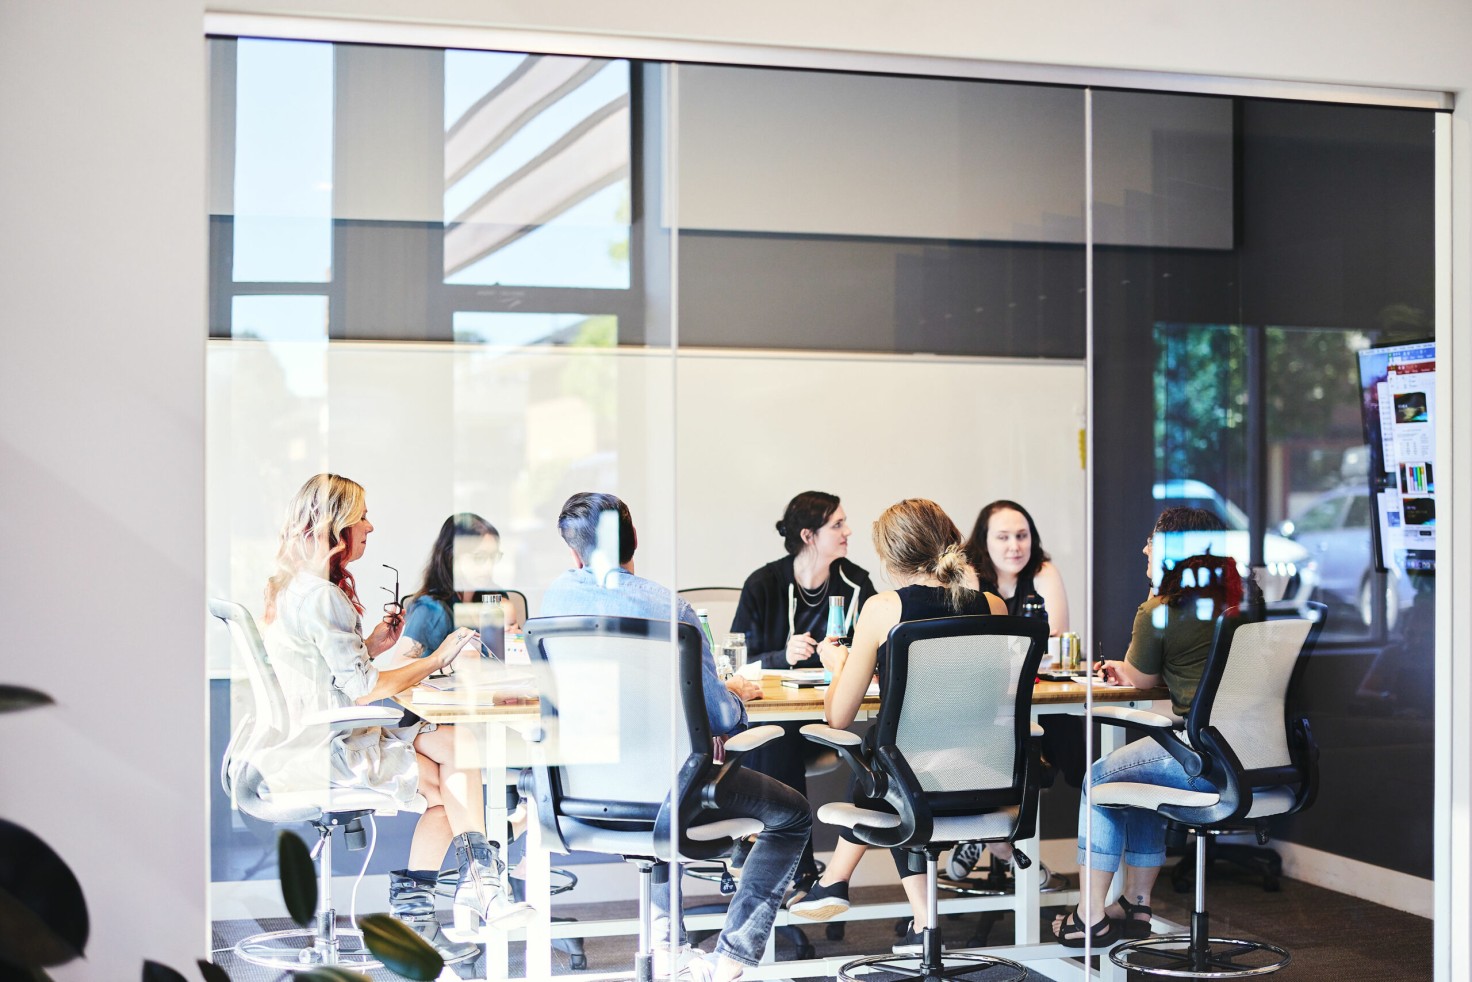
[{"x": 1169, "y": 643}]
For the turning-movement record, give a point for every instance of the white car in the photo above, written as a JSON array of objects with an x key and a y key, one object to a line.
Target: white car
[{"x": 1288, "y": 571}]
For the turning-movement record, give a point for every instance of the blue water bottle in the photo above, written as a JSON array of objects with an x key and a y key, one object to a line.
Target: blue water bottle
[{"x": 835, "y": 630}]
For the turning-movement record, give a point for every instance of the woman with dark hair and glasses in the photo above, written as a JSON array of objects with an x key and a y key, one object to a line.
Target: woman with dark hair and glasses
[
  {"x": 462, "y": 564},
  {"x": 783, "y": 612},
  {"x": 323, "y": 660},
  {"x": 1007, "y": 553}
]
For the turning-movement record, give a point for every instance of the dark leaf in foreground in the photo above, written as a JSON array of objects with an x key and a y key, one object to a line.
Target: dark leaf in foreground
[
  {"x": 396, "y": 945},
  {"x": 157, "y": 972},
  {"x": 298, "y": 878},
  {"x": 43, "y": 916},
  {"x": 211, "y": 971},
  {"x": 14, "y": 698}
]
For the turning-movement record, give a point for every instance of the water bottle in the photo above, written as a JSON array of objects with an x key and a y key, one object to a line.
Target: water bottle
[
  {"x": 704, "y": 617},
  {"x": 835, "y": 627},
  {"x": 1032, "y": 606}
]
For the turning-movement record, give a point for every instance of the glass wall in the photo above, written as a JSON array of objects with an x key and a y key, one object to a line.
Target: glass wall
[{"x": 479, "y": 283}]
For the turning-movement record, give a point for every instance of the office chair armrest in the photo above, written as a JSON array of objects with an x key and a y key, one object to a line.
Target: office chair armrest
[
  {"x": 1161, "y": 728},
  {"x": 850, "y": 749},
  {"x": 1125, "y": 716},
  {"x": 354, "y": 717},
  {"x": 748, "y": 740}
]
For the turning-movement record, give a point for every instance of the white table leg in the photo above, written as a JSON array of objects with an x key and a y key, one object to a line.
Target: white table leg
[{"x": 539, "y": 895}]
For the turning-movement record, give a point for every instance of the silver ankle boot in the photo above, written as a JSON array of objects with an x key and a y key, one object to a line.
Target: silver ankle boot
[
  {"x": 480, "y": 887},
  {"x": 413, "y": 903}
]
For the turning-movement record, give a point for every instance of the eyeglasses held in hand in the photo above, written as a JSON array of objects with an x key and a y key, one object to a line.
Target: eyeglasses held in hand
[{"x": 392, "y": 608}]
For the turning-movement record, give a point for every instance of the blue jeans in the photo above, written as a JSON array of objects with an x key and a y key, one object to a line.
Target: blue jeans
[
  {"x": 768, "y": 870},
  {"x": 1137, "y": 833}
]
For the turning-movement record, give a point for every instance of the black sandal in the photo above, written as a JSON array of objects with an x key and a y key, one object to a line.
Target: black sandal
[
  {"x": 1133, "y": 928},
  {"x": 1103, "y": 934}
]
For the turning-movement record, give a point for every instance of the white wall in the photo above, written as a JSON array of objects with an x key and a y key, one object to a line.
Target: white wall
[
  {"x": 101, "y": 303},
  {"x": 510, "y": 433}
]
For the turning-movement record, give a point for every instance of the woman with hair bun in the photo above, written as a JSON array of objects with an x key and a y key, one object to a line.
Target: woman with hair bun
[
  {"x": 921, "y": 550},
  {"x": 783, "y": 612}
]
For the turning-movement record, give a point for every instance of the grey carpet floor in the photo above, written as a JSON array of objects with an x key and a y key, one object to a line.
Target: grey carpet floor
[{"x": 1332, "y": 937}]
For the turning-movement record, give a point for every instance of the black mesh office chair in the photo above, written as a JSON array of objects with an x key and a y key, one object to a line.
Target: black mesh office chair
[
  {"x": 270, "y": 784},
  {"x": 1242, "y": 736},
  {"x": 610, "y": 738},
  {"x": 953, "y": 760}
]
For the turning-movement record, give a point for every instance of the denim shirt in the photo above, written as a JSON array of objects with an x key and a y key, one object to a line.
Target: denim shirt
[{"x": 622, "y": 594}]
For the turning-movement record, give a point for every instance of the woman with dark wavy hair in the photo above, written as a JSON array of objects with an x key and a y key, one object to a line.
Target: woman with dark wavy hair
[
  {"x": 462, "y": 563},
  {"x": 1007, "y": 553}
]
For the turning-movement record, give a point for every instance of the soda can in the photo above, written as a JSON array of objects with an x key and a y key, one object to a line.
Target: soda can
[{"x": 1069, "y": 654}]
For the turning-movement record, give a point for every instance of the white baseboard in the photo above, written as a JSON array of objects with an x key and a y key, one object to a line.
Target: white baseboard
[{"x": 1388, "y": 887}]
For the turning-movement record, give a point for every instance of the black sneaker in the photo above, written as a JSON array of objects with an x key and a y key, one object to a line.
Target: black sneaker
[
  {"x": 963, "y": 860},
  {"x": 821, "y": 903},
  {"x": 912, "y": 942}
]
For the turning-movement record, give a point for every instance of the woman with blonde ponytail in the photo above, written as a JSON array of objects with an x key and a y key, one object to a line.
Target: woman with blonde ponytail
[
  {"x": 923, "y": 554},
  {"x": 314, "y": 636}
]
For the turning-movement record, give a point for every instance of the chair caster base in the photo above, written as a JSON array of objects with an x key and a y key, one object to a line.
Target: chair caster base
[
  {"x": 1223, "y": 958},
  {"x": 954, "y": 966},
  {"x": 272, "y": 949}
]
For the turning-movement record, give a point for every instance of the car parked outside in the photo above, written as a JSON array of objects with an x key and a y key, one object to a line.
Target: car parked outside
[
  {"x": 1335, "y": 529},
  {"x": 1288, "y": 571}
]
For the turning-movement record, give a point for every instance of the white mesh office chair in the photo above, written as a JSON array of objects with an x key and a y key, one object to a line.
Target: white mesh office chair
[
  {"x": 612, "y": 737},
  {"x": 953, "y": 760},
  {"x": 252, "y": 759},
  {"x": 1241, "y": 735}
]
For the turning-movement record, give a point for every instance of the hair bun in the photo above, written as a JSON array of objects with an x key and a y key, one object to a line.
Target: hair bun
[
  {"x": 951, "y": 564},
  {"x": 782, "y": 529}
]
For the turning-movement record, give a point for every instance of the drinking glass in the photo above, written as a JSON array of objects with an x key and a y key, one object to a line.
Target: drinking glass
[{"x": 733, "y": 651}]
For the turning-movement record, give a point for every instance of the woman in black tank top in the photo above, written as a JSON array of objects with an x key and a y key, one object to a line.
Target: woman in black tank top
[{"x": 921, "y": 550}]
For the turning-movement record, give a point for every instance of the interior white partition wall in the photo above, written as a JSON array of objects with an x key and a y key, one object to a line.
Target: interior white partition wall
[
  {"x": 586, "y": 422},
  {"x": 102, "y": 308}
]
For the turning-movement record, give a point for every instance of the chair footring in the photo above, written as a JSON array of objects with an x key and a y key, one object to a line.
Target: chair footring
[
  {"x": 1222, "y": 958},
  {"x": 988, "y": 886},
  {"x": 954, "y": 966},
  {"x": 272, "y": 949}
]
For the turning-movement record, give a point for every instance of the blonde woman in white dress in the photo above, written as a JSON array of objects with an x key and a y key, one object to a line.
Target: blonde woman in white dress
[{"x": 323, "y": 660}]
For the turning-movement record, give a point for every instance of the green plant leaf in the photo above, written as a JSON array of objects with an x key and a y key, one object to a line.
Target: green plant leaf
[
  {"x": 211, "y": 971},
  {"x": 14, "y": 698},
  {"x": 158, "y": 972},
  {"x": 396, "y": 945},
  {"x": 330, "y": 973},
  {"x": 298, "y": 877},
  {"x": 43, "y": 916}
]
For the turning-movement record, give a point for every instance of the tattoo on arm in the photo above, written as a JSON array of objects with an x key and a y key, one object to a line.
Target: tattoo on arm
[{"x": 415, "y": 650}]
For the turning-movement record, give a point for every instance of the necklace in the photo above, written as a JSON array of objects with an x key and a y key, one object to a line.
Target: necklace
[{"x": 812, "y": 598}]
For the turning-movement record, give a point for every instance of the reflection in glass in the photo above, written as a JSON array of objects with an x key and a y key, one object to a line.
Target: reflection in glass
[
  {"x": 536, "y": 164},
  {"x": 283, "y": 162}
]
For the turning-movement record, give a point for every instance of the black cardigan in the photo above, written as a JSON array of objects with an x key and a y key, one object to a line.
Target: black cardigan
[{"x": 764, "y": 613}]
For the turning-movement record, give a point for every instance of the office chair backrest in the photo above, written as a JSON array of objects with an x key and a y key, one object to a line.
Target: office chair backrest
[
  {"x": 957, "y": 704},
  {"x": 249, "y": 756},
  {"x": 269, "y": 704},
  {"x": 720, "y": 604},
  {"x": 606, "y": 685},
  {"x": 1244, "y": 691}
]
